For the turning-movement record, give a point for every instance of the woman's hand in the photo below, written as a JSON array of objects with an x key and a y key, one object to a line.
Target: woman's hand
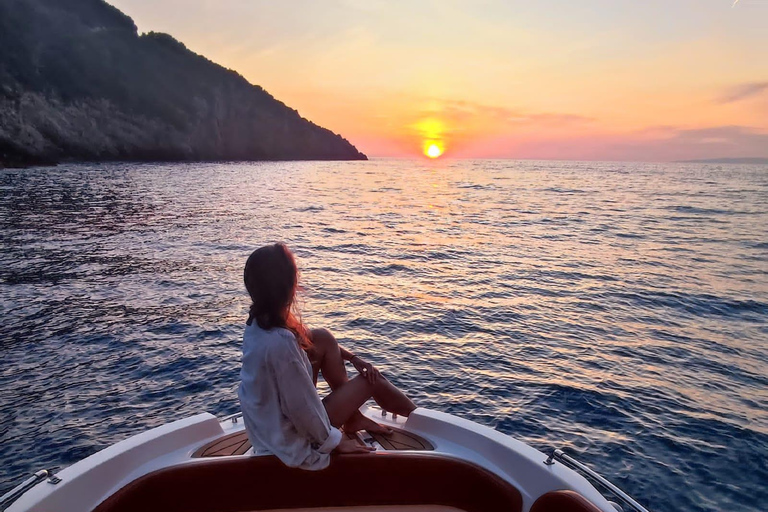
[
  {"x": 348, "y": 445},
  {"x": 366, "y": 369}
]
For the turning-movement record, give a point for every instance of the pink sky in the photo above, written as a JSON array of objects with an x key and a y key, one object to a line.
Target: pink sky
[{"x": 594, "y": 79}]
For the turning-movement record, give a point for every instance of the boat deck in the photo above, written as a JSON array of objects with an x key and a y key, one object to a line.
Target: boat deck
[{"x": 238, "y": 443}]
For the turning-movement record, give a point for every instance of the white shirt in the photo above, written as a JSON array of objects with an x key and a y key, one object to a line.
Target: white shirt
[{"x": 282, "y": 412}]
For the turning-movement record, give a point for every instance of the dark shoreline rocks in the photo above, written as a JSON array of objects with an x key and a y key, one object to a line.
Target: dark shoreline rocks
[{"x": 78, "y": 83}]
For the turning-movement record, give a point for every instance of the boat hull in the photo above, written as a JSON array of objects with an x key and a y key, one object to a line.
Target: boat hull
[{"x": 514, "y": 472}]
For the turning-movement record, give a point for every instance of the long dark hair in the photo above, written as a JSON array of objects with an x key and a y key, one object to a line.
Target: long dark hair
[{"x": 271, "y": 278}]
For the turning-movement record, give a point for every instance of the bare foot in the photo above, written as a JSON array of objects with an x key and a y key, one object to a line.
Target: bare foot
[{"x": 359, "y": 422}]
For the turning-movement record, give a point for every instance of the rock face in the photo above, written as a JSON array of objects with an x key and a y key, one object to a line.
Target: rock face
[{"x": 77, "y": 82}]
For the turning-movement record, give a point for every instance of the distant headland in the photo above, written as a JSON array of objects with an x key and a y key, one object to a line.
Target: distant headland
[
  {"x": 77, "y": 82},
  {"x": 727, "y": 161}
]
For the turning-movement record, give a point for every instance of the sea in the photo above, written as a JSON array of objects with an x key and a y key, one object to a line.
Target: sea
[{"x": 616, "y": 310}]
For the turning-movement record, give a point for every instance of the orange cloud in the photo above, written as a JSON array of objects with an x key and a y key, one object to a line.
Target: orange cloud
[
  {"x": 461, "y": 124},
  {"x": 743, "y": 92}
]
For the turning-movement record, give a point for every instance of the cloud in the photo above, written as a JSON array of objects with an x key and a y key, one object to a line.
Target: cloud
[
  {"x": 743, "y": 92},
  {"x": 557, "y": 118},
  {"x": 653, "y": 144},
  {"x": 462, "y": 124},
  {"x": 482, "y": 130},
  {"x": 670, "y": 143},
  {"x": 466, "y": 127},
  {"x": 459, "y": 110}
]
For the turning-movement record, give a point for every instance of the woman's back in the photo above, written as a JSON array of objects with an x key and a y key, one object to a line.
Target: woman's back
[{"x": 281, "y": 409}]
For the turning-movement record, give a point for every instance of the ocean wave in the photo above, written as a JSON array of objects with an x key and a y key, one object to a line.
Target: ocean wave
[{"x": 618, "y": 310}]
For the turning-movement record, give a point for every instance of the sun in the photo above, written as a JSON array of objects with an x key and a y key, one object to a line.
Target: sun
[{"x": 432, "y": 150}]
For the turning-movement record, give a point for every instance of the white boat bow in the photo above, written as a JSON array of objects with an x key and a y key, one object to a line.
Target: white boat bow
[{"x": 431, "y": 456}]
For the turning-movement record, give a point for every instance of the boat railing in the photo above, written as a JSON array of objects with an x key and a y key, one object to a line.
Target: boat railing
[
  {"x": 232, "y": 417},
  {"x": 8, "y": 498},
  {"x": 566, "y": 459}
]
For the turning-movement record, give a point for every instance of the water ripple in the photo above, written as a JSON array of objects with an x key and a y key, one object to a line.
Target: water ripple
[{"x": 619, "y": 310}]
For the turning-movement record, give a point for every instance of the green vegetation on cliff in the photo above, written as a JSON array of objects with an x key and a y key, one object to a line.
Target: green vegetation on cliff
[{"x": 78, "y": 82}]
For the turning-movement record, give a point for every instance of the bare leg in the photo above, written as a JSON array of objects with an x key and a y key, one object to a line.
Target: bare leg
[
  {"x": 325, "y": 357},
  {"x": 347, "y": 396},
  {"x": 343, "y": 403}
]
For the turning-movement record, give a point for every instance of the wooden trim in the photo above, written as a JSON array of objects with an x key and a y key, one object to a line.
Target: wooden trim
[
  {"x": 401, "y": 440},
  {"x": 238, "y": 443},
  {"x": 223, "y": 446}
]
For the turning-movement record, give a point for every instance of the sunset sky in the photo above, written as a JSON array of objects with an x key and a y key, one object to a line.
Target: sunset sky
[{"x": 587, "y": 79}]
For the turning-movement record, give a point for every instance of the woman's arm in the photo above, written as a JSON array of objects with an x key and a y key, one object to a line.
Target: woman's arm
[
  {"x": 366, "y": 369},
  {"x": 301, "y": 405},
  {"x": 346, "y": 354}
]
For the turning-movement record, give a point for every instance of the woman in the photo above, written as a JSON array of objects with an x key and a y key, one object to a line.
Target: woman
[{"x": 282, "y": 412}]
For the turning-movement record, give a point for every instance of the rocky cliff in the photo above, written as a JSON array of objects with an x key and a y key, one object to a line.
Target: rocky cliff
[{"x": 77, "y": 82}]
